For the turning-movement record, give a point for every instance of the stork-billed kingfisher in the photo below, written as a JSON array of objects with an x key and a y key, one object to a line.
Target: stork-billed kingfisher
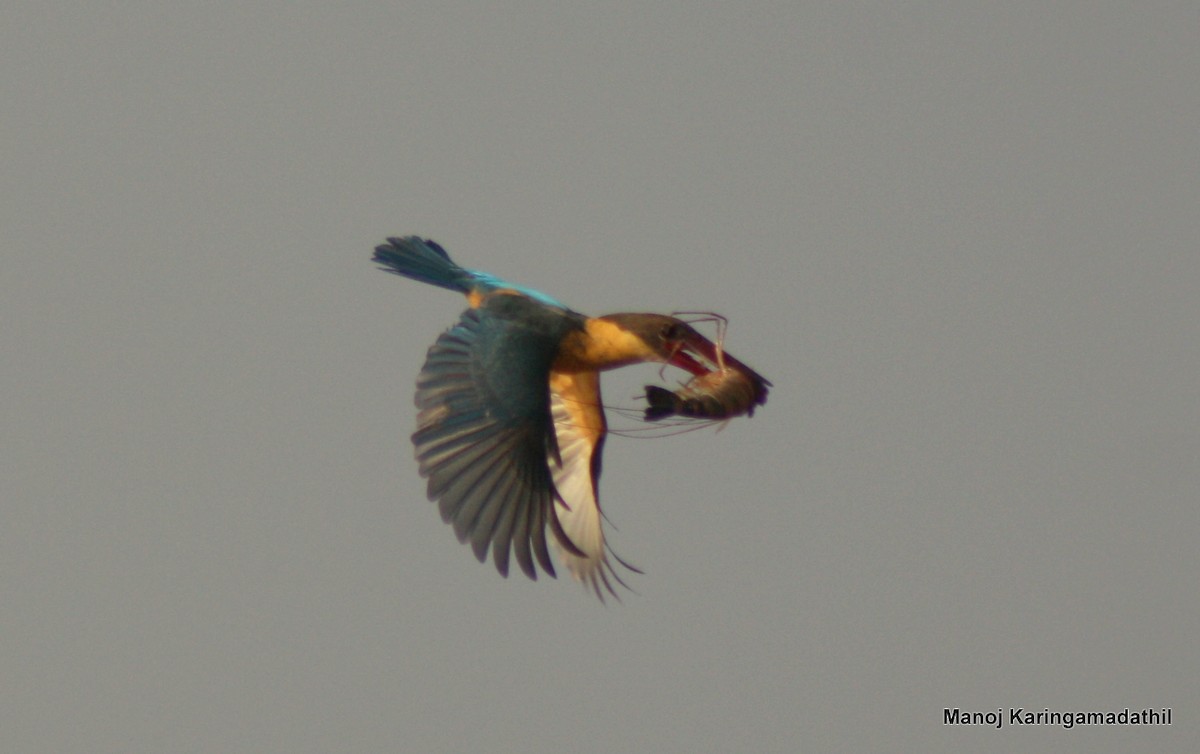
[{"x": 511, "y": 426}]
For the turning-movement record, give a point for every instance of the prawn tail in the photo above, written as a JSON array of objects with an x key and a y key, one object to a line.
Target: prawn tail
[{"x": 663, "y": 403}]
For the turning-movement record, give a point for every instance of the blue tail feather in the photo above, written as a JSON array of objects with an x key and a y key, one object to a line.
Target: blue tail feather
[{"x": 423, "y": 260}]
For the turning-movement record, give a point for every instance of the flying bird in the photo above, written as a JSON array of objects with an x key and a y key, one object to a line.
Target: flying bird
[{"x": 511, "y": 427}]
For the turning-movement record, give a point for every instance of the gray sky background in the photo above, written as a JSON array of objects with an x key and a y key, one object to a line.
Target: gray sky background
[{"x": 961, "y": 238}]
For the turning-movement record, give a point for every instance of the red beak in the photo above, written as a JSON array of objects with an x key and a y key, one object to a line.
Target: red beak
[
  {"x": 702, "y": 347},
  {"x": 684, "y": 360}
]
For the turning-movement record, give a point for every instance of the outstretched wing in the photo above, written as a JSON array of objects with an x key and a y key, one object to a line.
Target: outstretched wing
[
  {"x": 580, "y": 429},
  {"x": 485, "y": 431}
]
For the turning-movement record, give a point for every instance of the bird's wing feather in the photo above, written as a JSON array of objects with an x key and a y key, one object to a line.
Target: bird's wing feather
[
  {"x": 485, "y": 432},
  {"x": 580, "y": 429}
]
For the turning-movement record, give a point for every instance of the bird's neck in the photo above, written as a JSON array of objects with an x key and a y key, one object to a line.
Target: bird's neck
[{"x": 601, "y": 345}]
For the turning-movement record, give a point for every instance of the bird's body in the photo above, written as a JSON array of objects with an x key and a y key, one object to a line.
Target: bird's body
[{"x": 511, "y": 426}]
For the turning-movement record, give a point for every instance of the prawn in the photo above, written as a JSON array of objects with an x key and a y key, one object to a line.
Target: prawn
[{"x": 730, "y": 389}]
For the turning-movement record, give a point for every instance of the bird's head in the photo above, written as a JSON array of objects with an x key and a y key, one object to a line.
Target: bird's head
[{"x": 657, "y": 337}]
